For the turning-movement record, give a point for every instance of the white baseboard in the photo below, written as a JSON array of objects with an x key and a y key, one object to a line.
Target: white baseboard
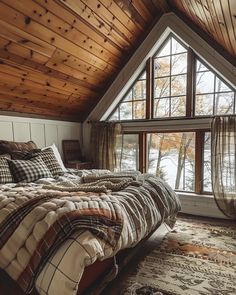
[{"x": 201, "y": 205}]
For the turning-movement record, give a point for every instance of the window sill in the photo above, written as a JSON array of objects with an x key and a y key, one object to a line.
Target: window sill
[
  {"x": 194, "y": 195},
  {"x": 202, "y": 205}
]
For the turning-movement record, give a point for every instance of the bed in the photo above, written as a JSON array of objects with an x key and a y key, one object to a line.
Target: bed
[{"x": 60, "y": 230}]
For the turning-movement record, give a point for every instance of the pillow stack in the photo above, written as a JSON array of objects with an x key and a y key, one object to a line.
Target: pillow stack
[
  {"x": 6, "y": 148},
  {"x": 24, "y": 162}
]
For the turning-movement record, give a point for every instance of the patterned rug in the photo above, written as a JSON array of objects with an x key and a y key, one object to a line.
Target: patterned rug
[{"x": 194, "y": 259}]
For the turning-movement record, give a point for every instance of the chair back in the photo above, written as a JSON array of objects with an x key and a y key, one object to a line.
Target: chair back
[{"x": 71, "y": 151}]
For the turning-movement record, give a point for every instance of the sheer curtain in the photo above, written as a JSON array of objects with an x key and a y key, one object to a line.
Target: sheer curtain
[
  {"x": 223, "y": 153},
  {"x": 103, "y": 144}
]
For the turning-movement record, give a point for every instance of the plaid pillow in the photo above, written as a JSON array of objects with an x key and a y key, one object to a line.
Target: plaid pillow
[
  {"x": 50, "y": 160},
  {"x": 5, "y": 173},
  {"x": 29, "y": 170}
]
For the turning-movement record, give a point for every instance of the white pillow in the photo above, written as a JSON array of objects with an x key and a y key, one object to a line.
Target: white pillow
[{"x": 57, "y": 155}]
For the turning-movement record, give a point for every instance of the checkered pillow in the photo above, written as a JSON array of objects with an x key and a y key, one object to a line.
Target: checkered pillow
[
  {"x": 5, "y": 173},
  {"x": 29, "y": 170},
  {"x": 50, "y": 160}
]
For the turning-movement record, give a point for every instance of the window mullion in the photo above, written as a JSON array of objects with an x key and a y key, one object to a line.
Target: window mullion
[
  {"x": 149, "y": 88},
  {"x": 199, "y": 146},
  {"x": 142, "y": 152},
  {"x": 190, "y": 82}
]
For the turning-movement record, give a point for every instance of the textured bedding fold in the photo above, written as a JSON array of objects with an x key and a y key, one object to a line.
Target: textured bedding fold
[
  {"x": 50, "y": 233},
  {"x": 47, "y": 220}
]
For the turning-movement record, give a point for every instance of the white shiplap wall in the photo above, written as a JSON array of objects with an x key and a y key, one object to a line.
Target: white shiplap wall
[{"x": 42, "y": 132}]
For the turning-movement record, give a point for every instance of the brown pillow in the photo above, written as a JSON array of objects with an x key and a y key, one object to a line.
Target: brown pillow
[
  {"x": 9, "y": 146},
  {"x": 24, "y": 155}
]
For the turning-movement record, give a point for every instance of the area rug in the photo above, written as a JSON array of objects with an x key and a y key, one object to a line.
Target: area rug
[{"x": 194, "y": 259}]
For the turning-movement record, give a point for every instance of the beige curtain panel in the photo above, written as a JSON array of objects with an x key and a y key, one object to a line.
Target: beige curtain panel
[
  {"x": 223, "y": 160},
  {"x": 103, "y": 143}
]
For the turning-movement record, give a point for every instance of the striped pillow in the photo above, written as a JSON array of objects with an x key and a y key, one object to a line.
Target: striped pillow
[
  {"x": 29, "y": 170},
  {"x": 5, "y": 173}
]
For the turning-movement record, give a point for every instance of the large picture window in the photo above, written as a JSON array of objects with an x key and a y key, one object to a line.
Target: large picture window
[
  {"x": 171, "y": 156},
  {"x": 176, "y": 85},
  {"x": 127, "y": 151}
]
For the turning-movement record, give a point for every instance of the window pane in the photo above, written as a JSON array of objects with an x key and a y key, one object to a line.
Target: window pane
[
  {"x": 177, "y": 47},
  {"x": 161, "y": 108},
  {"x": 221, "y": 86},
  {"x": 162, "y": 66},
  {"x": 178, "y": 85},
  {"x": 200, "y": 67},
  {"x": 207, "y": 163},
  {"x": 224, "y": 103},
  {"x": 143, "y": 76},
  {"x": 139, "y": 90},
  {"x": 205, "y": 83},
  {"x": 204, "y": 105},
  {"x": 127, "y": 149},
  {"x": 139, "y": 109},
  {"x": 128, "y": 97},
  {"x": 126, "y": 111},
  {"x": 162, "y": 87},
  {"x": 165, "y": 50},
  {"x": 115, "y": 116},
  {"x": 179, "y": 64},
  {"x": 171, "y": 156},
  {"x": 178, "y": 106}
]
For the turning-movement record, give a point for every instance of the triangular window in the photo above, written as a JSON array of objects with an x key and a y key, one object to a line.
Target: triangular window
[
  {"x": 176, "y": 84},
  {"x": 133, "y": 104},
  {"x": 212, "y": 95}
]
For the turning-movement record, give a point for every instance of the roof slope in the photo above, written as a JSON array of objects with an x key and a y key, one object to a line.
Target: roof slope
[{"x": 58, "y": 57}]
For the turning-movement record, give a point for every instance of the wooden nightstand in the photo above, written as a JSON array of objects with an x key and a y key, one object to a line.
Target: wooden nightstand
[{"x": 80, "y": 165}]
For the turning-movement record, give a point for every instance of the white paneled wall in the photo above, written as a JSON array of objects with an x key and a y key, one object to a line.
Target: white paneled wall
[{"x": 42, "y": 132}]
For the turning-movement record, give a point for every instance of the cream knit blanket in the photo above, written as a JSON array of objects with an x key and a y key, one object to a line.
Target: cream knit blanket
[{"x": 96, "y": 183}]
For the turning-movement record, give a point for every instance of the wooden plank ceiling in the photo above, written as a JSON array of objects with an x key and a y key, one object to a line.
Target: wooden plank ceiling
[{"x": 58, "y": 57}]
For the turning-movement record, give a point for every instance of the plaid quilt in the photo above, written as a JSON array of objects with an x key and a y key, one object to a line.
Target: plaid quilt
[
  {"x": 122, "y": 218},
  {"x": 32, "y": 230}
]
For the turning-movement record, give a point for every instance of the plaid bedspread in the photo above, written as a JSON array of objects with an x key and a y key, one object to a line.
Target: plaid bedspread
[
  {"x": 32, "y": 230},
  {"x": 112, "y": 221}
]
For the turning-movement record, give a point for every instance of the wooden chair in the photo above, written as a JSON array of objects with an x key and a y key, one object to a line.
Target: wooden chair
[{"x": 73, "y": 157}]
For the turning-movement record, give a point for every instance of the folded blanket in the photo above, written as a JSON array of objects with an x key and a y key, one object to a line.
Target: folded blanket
[{"x": 96, "y": 183}]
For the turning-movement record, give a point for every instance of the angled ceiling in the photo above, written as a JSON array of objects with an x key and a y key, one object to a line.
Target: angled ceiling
[{"x": 58, "y": 57}]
